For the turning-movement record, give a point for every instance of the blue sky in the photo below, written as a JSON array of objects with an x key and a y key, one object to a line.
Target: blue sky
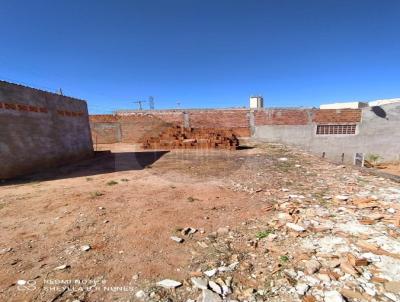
[{"x": 204, "y": 53}]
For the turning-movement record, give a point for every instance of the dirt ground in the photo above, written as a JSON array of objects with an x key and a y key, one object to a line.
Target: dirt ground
[
  {"x": 126, "y": 206},
  {"x": 127, "y": 223},
  {"x": 392, "y": 168}
]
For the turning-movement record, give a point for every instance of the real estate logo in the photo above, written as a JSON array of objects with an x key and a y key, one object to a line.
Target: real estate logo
[{"x": 26, "y": 285}]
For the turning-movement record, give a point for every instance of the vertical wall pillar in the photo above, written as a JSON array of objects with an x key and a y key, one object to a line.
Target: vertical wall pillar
[
  {"x": 252, "y": 124},
  {"x": 186, "y": 120}
]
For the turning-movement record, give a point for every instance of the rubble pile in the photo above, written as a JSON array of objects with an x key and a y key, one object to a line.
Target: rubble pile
[
  {"x": 177, "y": 137},
  {"x": 333, "y": 239}
]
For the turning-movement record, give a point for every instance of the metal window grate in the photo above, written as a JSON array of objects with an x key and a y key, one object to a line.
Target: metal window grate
[{"x": 336, "y": 129}]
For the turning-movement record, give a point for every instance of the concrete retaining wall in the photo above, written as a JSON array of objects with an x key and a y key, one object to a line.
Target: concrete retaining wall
[
  {"x": 377, "y": 133},
  {"x": 39, "y": 130}
]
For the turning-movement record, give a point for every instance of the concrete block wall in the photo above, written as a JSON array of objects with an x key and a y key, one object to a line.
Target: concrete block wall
[
  {"x": 376, "y": 133},
  {"x": 40, "y": 130}
]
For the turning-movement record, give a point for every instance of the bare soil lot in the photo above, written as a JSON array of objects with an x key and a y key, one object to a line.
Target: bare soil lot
[{"x": 108, "y": 223}]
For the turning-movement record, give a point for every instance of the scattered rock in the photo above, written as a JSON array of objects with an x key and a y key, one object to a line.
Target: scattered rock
[
  {"x": 5, "y": 250},
  {"x": 209, "y": 296},
  {"x": 295, "y": 227},
  {"x": 177, "y": 239},
  {"x": 348, "y": 268},
  {"x": 302, "y": 288},
  {"x": 342, "y": 197},
  {"x": 188, "y": 231},
  {"x": 140, "y": 295},
  {"x": 61, "y": 267},
  {"x": 223, "y": 231},
  {"x": 228, "y": 268},
  {"x": 272, "y": 237},
  {"x": 199, "y": 282},
  {"x": 168, "y": 283},
  {"x": 215, "y": 287},
  {"x": 85, "y": 247},
  {"x": 312, "y": 266},
  {"x": 210, "y": 272},
  {"x": 333, "y": 296},
  {"x": 352, "y": 294}
]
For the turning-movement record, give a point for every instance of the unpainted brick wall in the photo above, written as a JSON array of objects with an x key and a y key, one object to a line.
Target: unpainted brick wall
[
  {"x": 135, "y": 125},
  {"x": 135, "y": 128},
  {"x": 237, "y": 120},
  {"x": 105, "y": 133},
  {"x": 281, "y": 117},
  {"x": 126, "y": 128},
  {"x": 337, "y": 116}
]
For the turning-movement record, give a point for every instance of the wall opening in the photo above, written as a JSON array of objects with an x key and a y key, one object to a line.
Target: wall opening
[{"x": 336, "y": 129}]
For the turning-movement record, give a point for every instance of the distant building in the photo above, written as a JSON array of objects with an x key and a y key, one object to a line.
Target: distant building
[
  {"x": 383, "y": 102},
  {"x": 348, "y": 105},
  {"x": 359, "y": 105},
  {"x": 256, "y": 102}
]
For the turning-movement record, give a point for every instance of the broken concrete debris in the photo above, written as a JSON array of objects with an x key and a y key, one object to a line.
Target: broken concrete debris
[
  {"x": 312, "y": 266},
  {"x": 177, "y": 239},
  {"x": 295, "y": 227},
  {"x": 61, "y": 267},
  {"x": 168, "y": 283},
  {"x": 333, "y": 296},
  {"x": 85, "y": 247},
  {"x": 200, "y": 283},
  {"x": 211, "y": 272},
  {"x": 188, "y": 231},
  {"x": 209, "y": 296}
]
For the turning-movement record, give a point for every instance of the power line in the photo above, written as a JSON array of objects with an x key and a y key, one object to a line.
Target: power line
[
  {"x": 151, "y": 102},
  {"x": 140, "y": 104}
]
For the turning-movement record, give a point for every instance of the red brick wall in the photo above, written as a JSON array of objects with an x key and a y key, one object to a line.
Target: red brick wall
[
  {"x": 237, "y": 120},
  {"x": 219, "y": 119},
  {"x": 171, "y": 117},
  {"x": 281, "y": 117},
  {"x": 103, "y": 118},
  {"x": 337, "y": 116},
  {"x": 134, "y": 126},
  {"x": 105, "y": 133},
  {"x": 133, "y": 129},
  {"x": 127, "y": 128}
]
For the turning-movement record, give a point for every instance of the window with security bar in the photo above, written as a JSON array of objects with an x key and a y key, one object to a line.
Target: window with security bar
[{"x": 336, "y": 129}]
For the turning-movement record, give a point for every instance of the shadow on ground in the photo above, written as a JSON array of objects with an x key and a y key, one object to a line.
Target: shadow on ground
[{"x": 102, "y": 162}]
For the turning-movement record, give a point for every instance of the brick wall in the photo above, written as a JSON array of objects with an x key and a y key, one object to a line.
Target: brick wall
[
  {"x": 237, "y": 120},
  {"x": 337, "y": 116},
  {"x": 219, "y": 119},
  {"x": 107, "y": 129},
  {"x": 105, "y": 133},
  {"x": 281, "y": 117},
  {"x": 134, "y": 128},
  {"x": 135, "y": 125}
]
